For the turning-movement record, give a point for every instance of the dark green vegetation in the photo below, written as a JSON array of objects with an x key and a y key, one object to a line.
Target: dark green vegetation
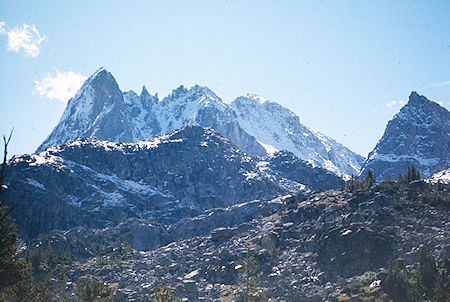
[
  {"x": 418, "y": 190},
  {"x": 426, "y": 282},
  {"x": 15, "y": 274},
  {"x": 41, "y": 276},
  {"x": 165, "y": 294},
  {"x": 248, "y": 289}
]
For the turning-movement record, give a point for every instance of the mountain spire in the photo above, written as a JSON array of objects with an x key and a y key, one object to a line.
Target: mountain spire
[{"x": 416, "y": 136}]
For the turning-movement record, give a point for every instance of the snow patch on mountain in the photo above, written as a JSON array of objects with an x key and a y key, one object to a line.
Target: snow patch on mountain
[
  {"x": 442, "y": 177},
  {"x": 36, "y": 184}
]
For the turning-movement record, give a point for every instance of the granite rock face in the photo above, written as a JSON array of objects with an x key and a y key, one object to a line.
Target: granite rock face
[
  {"x": 290, "y": 166},
  {"x": 418, "y": 135}
]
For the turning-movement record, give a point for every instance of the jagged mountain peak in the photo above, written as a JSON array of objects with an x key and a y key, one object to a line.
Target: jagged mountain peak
[
  {"x": 192, "y": 94},
  {"x": 417, "y": 99},
  {"x": 144, "y": 91},
  {"x": 146, "y": 96},
  {"x": 98, "y": 90},
  {"x": 253, "y": 97},
  {"x": 97, "y": 110},
  {"x": 417, "y": 106},
  {"x": 180, "y": 90},
  {"x": 417, "y": 135},
  {"x": 248, "y": 102},
  {"x": 100, "y": 72},
  {"x": 101, "y": 76},
  {"x": 100, "y": 109}
]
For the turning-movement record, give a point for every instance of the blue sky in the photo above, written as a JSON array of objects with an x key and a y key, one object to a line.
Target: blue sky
[{"x": 345, "y": 67}]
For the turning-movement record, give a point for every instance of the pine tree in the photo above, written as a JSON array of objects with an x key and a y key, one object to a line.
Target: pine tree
[
  {"x": 369, "y": 180},
  {"x": 36, "y": 257},
  {"x": 395, "y": 284},
  {"x": 248, "y": 289},
  {"x": 24, "y": 288},
  {"x": 353, "y": 183},
  {"x": 10, "y": 267},
  {"x": 408, "y": 175},
  {"x": 427, "y": 272},
  {"x": 442, "y": 289},
  {"x": 165, "y": 294},
  {"x": 413, "y": 173},
  {"x": 16, "y": 279},
  {"x": 93, "y": 291}
]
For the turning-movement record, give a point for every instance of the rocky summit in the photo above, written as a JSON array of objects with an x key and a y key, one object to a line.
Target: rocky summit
[
  {"x": 96, "y": 183},
  {"x": 417, "y": 136},
  {"x": 101, "y": 110}
]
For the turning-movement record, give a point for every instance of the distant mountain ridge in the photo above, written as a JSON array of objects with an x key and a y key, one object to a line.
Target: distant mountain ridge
[
  {"x": 418, "y": 135},
  {"x": 101, "y": 110}
]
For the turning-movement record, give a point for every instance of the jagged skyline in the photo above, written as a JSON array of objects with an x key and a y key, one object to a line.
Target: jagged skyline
[{"x": 344, "y": 68}]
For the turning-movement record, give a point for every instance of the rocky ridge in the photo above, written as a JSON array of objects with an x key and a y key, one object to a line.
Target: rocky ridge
[{"x": 180, "y": 175}]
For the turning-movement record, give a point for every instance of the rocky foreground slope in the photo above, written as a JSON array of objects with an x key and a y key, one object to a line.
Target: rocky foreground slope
[{"x": 307, "y": 247}]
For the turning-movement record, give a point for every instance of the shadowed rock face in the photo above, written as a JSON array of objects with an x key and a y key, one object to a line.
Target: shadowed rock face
[
  {"x": 351, "y": 251},
  {"x": 290, "y": 166},
  {"x": 418, "y": 135},
  {"x": 97, "y": 183}
]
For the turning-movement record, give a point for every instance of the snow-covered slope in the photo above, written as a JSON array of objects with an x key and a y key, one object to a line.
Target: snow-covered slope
[
  {"x": 255, "y": 126},
  {"x": 418, "y": 135},
  {"x": 278, "y": 128}
]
